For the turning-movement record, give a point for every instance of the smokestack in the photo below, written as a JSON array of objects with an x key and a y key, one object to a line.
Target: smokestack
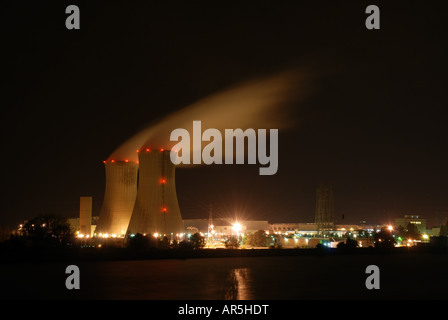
[
  {"x": 119, "y": 197},
  {"x": 156, "y": 208},
  {"x": 85, "y": 216}
]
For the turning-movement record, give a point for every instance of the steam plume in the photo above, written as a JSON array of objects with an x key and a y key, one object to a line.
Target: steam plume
[{"x": 261, "y": 103}]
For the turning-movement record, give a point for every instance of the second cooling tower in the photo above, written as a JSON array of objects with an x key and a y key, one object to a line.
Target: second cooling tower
[{"x": 156, "y": 208}]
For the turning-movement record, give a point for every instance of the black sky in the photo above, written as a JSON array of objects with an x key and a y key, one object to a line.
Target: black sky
[{"x": 375, "y": 126}]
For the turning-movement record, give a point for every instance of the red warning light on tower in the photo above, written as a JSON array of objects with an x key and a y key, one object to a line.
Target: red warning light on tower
[{"x": 156, "y": 208}]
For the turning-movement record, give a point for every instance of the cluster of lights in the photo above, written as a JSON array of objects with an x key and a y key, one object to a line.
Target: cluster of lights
[
  {"x": 110, "y": 235},
  {"x": 160, "y": 235},
  {"x": 237, "y": 228},
  {"x": 138, "y": 151},
  {"x": 118, "y": 161},
  {"x": 343, "y": 229},
  {"x": 148, "y": 150}
]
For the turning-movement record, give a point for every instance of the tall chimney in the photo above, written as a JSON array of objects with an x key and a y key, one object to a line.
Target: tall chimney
[{"x": 85, "y": 216}]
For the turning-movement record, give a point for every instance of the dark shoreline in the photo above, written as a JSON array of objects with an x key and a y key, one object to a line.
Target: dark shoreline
[{"x": 43, "y": 254}]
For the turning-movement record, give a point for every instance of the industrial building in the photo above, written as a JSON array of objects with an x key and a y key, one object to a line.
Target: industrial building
[
  {"x": 75, "y": 226},
  {"x": 417, "y": 220},
  {"x": 281, "y": 228},
  {"x": 140, "y": 197},
  {"x": 224, "y": 226}
]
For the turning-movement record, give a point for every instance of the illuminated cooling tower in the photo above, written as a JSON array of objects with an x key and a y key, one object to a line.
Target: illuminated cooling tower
[
  {"x": 119, "y": 197},
  {"x": 156, "y": 208}
]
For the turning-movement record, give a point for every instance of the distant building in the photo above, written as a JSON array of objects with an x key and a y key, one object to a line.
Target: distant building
[
  {"x": 306, "y": 228},
  {"x": 75, "y": 227},
  {"x": 417, "y": 220},
  {"x": 225, "y": 226},
  {"x": 435, "y": 231},
  {"x": 294, "y": 227},
  {"x": 255, "y": 225}
]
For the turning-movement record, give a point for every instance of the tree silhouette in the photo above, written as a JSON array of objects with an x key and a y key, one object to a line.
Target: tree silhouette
[
  {"x": 5, "y": 233},
  {"x": 351, "y": 243},
  {"x": 232, "y": 242},
  {"x": 197, "y": 241},
  {"x": 384, "y": 239},
  {"x": 139, "y": 241},
  {"x": 257, "y": 239},
  {"x": 48, "y": 229},
  {"x": 411, "y": 231},
  {"x": 444, "y": 229},
  {"x": 185, "y": 245}
]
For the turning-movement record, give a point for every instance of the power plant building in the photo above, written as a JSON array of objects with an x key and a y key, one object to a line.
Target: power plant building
[
  {"x": 224, "y": 226},
  {"x": 416, "y": 220}
]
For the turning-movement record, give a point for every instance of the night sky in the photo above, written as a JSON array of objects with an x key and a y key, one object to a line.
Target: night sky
[{"x": 374, "y": 124}]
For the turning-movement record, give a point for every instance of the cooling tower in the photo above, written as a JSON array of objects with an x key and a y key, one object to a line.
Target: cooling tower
[
  {"x": 119, "y": 197},
  {"x": 85, "y": 215},
  {"x": 156, "y": 208}
]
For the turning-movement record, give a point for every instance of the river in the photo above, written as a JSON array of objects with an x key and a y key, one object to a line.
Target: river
[{"x": 402, "y": 276}]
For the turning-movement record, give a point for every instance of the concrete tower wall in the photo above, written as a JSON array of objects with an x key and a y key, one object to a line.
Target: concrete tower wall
[
  {"x": 85, "y": 215},
  {"x": 156, "y": 208},
  {"x": 119, "y": 197}
]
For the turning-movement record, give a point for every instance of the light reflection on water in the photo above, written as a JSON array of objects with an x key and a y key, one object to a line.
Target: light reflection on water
[
  {"x": 254, "y": 278},
  {"x": 238, "y": 285}
]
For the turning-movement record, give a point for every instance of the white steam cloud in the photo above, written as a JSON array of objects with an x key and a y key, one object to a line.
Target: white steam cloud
[{"x": 262, "y": 103}]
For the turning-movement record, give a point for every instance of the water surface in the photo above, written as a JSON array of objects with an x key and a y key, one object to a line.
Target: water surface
[{"x": 403, "y": 276}]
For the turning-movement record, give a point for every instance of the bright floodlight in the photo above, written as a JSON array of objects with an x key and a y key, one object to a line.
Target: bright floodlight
[
  {"x": 237, "y": 227},
  {"x": 390, "y": 228}
]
